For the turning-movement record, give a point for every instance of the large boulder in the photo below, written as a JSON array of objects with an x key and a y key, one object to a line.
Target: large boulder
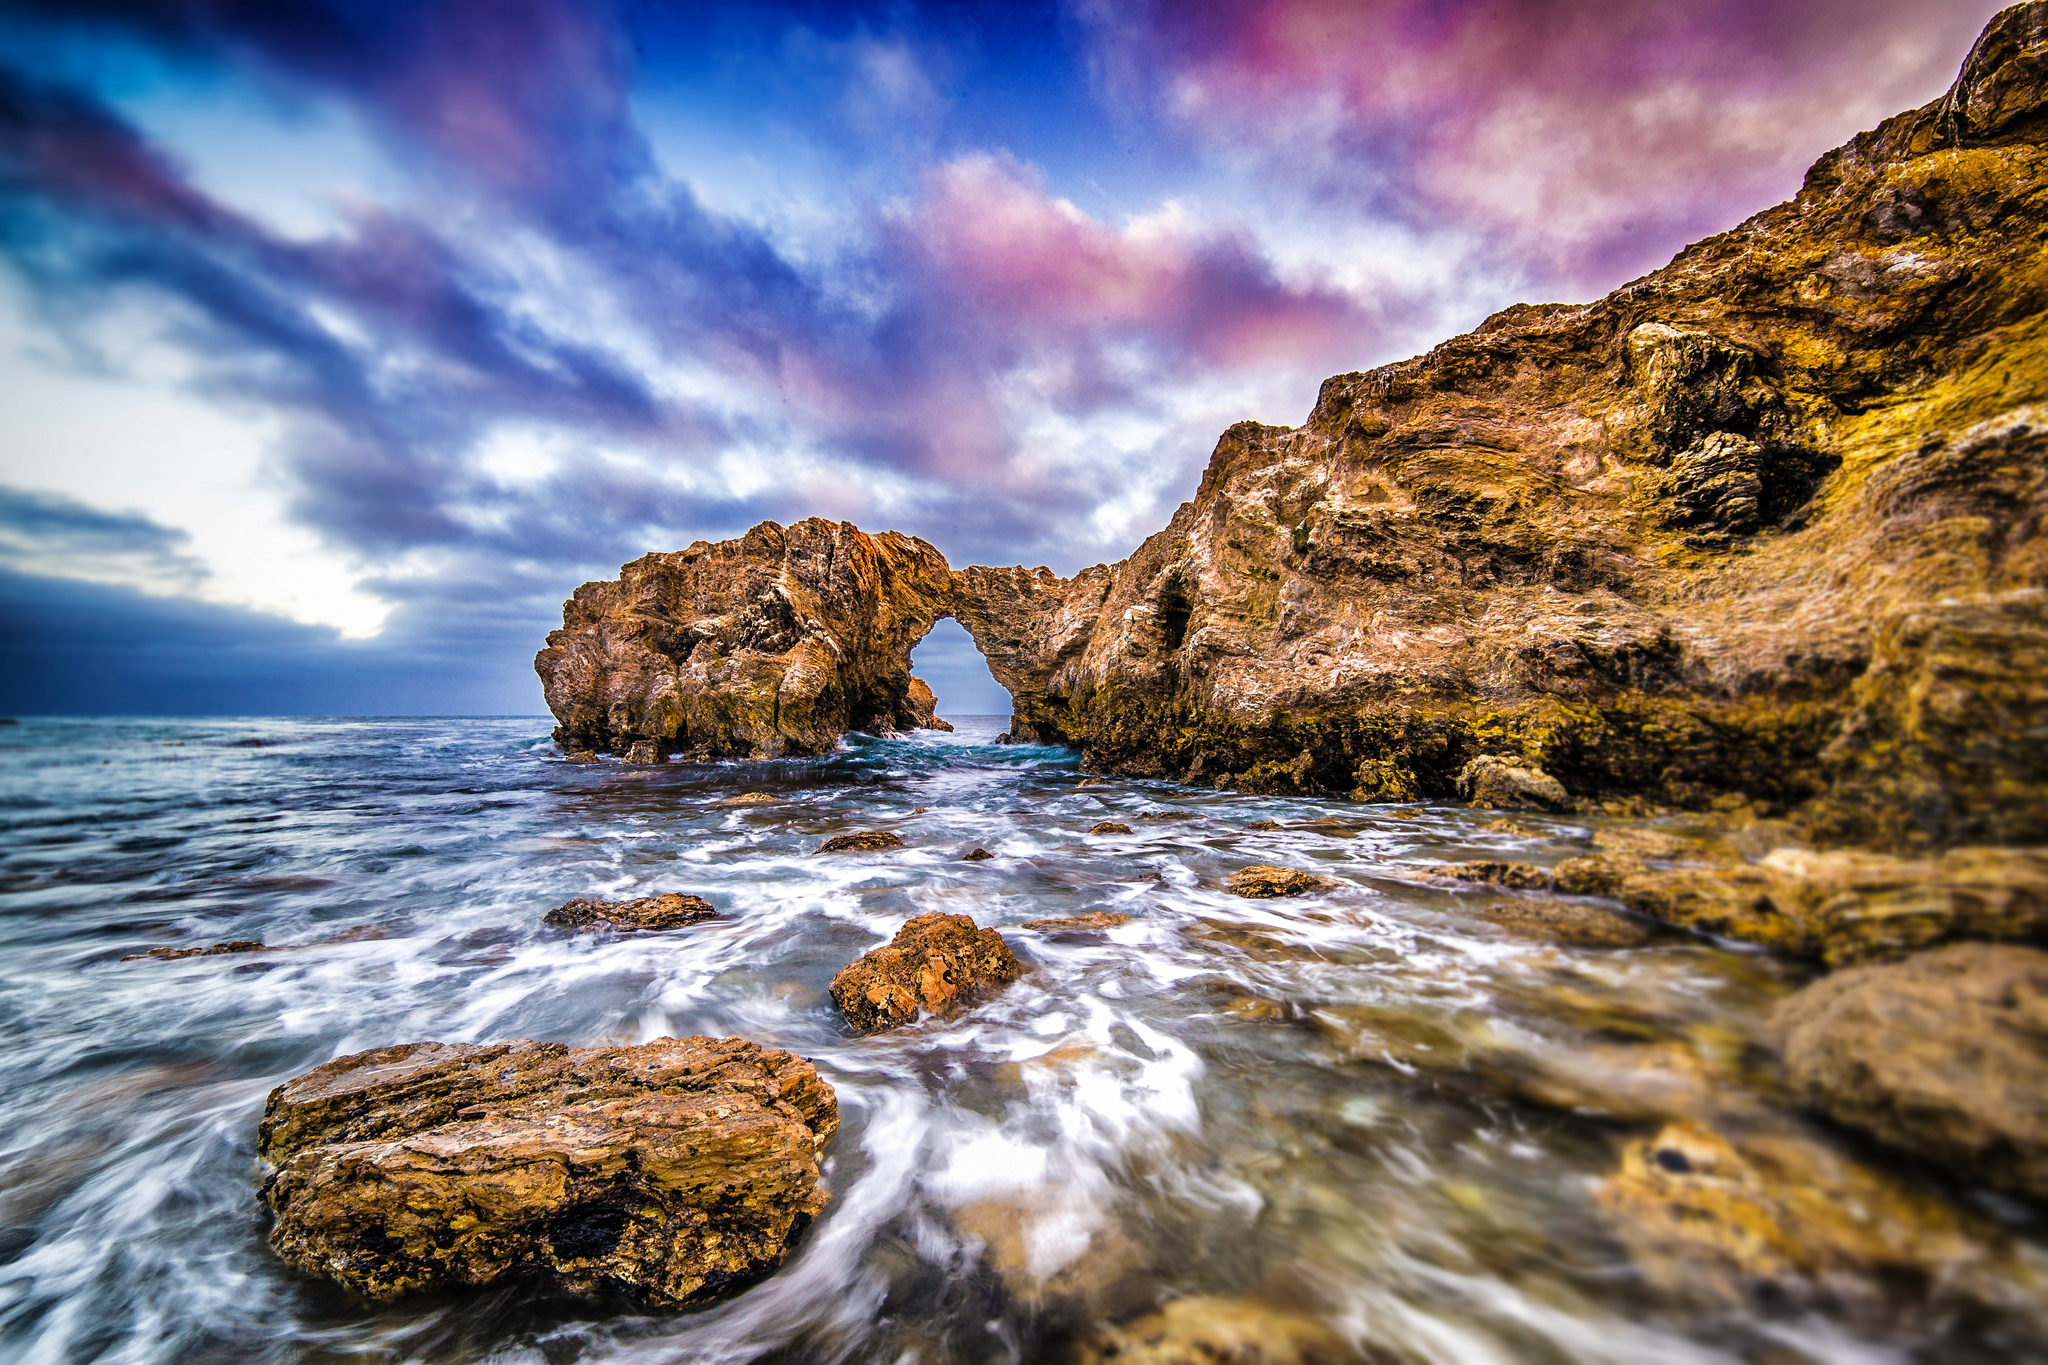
[
  {"x": 671, "y": 1172},
  {"x": 937, "y": 963},
  {"x": 1944, "y": 1055}
]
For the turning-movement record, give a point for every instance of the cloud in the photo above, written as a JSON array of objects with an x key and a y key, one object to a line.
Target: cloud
[
  {"x": 89, "y": 649},
  {"x": 1591, "y": 137},
  {"x": 46, "y": 534}
]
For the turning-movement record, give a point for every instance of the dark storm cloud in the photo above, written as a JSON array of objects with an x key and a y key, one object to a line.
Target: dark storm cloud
[{"x": 39, "y": 528}]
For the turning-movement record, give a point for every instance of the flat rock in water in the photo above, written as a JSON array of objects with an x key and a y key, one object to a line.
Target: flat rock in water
[
  {"x": 667, "y": 911},
  {"x": 1944, "y": 1055},
  {"x": 1263, "y": 881},
  {"x": 749, "y": 799},
  {"x": 1110, "y": 827},
  {"x": 861, "y": 841},
  {"x": 674, "y": 1171},
  {"x": 976, "y": 855},
  {"x": 1513, "y": 876},
  {"x": 1564, "y": 921},
  {"x": 1263, "y": 826},
  {"x": 1094, "y": 919},
  {"x": 240, "y": 945},
  {"x": 937, "y": 963},
  {"x": 1216, "y": 1331}
]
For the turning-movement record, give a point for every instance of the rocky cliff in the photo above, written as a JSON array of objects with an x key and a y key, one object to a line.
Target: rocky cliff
[{"x": 1765, "y": 527}]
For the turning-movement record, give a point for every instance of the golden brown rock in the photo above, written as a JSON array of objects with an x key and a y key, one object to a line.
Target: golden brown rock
[
  {"x": 1563, "y": 921},
  {"x": 861, "y": 841},
  {"x": 673, "y": 1171},
  {"x": 1493, "y": 781},
  {"x": 1217, "y": 1331},
  {"x": 1110, "y": 827},
  {"x": 1779, "y": 1214},
  {"x": 937, "y": 963},
  {"x": 1944, "y": 1055},
  {"x": 1093, "y": 920},
  {"x": 1514, "y": 876},
  {"x": 1263, "y": 881},
  {"x": 666, "y": 911}
]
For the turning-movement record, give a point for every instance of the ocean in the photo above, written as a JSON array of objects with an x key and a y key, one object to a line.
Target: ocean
[{"x": 1374, "y": 1109}]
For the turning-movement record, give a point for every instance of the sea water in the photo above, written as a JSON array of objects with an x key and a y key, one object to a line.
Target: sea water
[{"x": 1274, "y": 1106}]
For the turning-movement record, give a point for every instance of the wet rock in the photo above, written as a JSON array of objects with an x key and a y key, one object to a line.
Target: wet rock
[
  {"x": 1216, "y": 1331},
  {"x": 1263, "y": 826},
  {"x": 1168, "y": 817},
  {"x": 1944, "y": 1055},
  {"x": 239, "y": 945},
  {"x": 666, "y": 911},
  {"x": 1647, "y": 843},
  {"x": 1777, "y": 1218},
  {"x": 644, "y": 751},
  {"x": 1495, "y": 782},
  {"x": 1052, "y": 1262},
  {"x": 1094, "y": 782},
  {"x": 1846, "y": 907},
  {"x": 1110, "y": 827},
  {"x": 1562, "y": 921},
  {"x": 1597, "y": 874},
  {"x": 1094, "y": 919},
  {"x": 675, "y": 1171},
  {"x": 861, "y": 841},
  {"x": 1514, "y": 876},
  {"x": 1263, "y": 881},
  {"x": 749, "y": 799},
  {"x": 936, "y": 964},
  {"x": 976, "y": 855},
  {"x": 1631, "y": 1081},
  {"x": 580, "y": 755}
]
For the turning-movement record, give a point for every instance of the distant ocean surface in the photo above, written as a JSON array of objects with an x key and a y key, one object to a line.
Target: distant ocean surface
[{"x": 1268, "y": 1104}]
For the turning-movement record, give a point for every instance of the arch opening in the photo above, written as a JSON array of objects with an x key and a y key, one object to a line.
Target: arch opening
[{"x": 951, "y": 664}]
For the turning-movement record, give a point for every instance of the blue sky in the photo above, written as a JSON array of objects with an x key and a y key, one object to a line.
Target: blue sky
[{"x": 339, "y": 342}]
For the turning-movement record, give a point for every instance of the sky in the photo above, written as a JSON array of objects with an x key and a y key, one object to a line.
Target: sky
[{"x": 340, "y": 340}]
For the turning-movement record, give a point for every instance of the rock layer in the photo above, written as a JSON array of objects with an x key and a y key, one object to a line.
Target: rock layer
[
  {"x": 1765, "y": 522},
  {"x": 670, "y": 1172}
]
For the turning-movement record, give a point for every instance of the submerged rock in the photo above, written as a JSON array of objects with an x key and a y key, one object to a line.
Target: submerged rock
[
  {"x": 749, "y": 799},
  {"x": 1263, "y": 881},
  {"x": 669, "y": 910},
  {"x": 862, "y": 841},
  {"x": 238, "y": 945},
  {"x": 1216, "y": 1331},
  {"x": 1564, "y": 921},
  {"x": 1110, "y": 827},
  {"x": 673, "y": 1172},
  {"x": 1778, "y": 1217},
  {"x": 937, "y": 963},
  {"x": 1094, "y": 919},
  {"x": 1944, "y": 1055},
  {"x": 1263, "y": 826}
]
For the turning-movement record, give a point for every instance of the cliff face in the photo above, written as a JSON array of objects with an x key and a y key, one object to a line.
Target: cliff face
[{"x": 1765, "y": 525}]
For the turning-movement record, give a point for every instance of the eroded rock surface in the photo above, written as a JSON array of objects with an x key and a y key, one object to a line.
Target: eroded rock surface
[
  {"x": 1217, "y": 1331},
  {"x": 672, "y": 1172},
  {"x": 861, "y": 841},
  {"x": 1944, "y": 1055},
  {"x": 937, "y": 963},
  {"x": 1841, "y": 907},
  {"x": 1264, "y": 881},
  {"x": 669, "y": 910}
]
